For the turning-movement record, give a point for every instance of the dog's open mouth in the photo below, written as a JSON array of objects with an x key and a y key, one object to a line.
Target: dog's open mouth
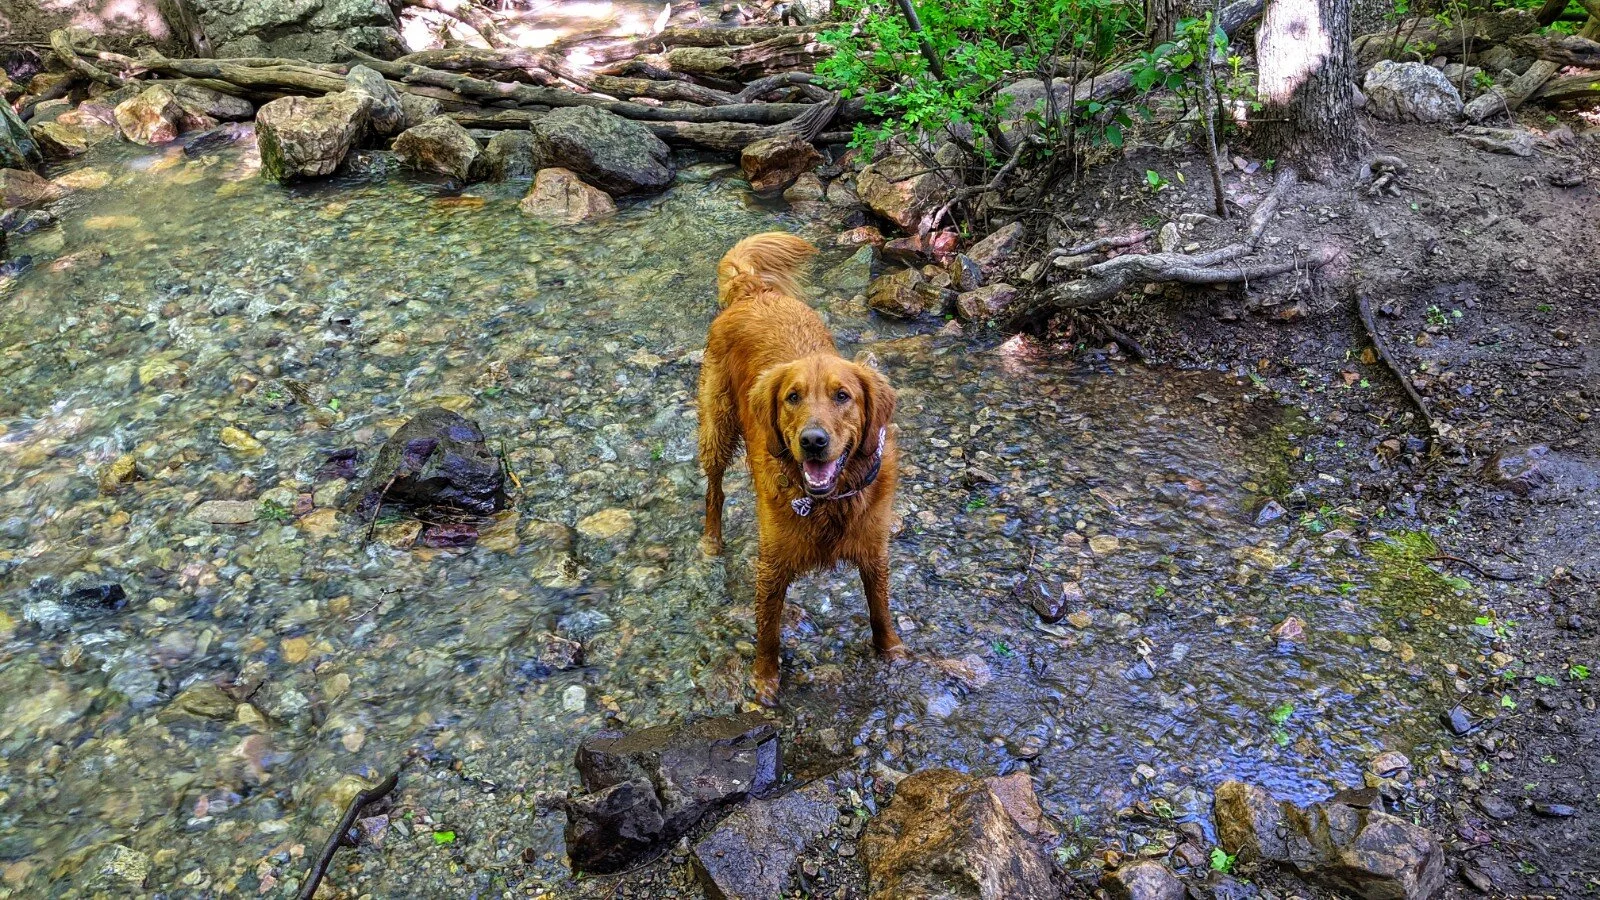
[{"x": 821, "y": 474}]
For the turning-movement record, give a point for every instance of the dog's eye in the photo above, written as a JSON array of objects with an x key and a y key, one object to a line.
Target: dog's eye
[
  {"x": 842, "y": 397},
  {"x": 794, "y": 397}
]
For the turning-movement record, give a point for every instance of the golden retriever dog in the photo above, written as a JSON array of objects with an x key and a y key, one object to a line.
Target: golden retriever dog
[{"x": 816, "y": 430}]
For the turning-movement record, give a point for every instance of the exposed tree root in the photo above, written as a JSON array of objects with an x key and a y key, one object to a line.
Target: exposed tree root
[
  {"x": 1364, "y": 307},
  {"x": 1105, "y": 280}
]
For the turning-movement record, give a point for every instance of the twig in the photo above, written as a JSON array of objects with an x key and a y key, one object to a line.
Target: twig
[
  {"x": 340, "y": 837},
  {"x": 1445, "y": 557},
  {"x": 372, "y": 526},
  {"x": 1378, "y": 344}
]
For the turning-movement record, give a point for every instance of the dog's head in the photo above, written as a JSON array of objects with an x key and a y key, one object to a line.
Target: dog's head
[{"x": 824, "y": 413}]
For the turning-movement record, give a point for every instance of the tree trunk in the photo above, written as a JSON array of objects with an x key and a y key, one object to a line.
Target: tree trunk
[
  {"x": 1307, "y": 85},
  {"x": 1161, "y": 20}
]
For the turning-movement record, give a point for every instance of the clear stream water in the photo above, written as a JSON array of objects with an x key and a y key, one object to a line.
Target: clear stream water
[{"x": 188, "y": 296}]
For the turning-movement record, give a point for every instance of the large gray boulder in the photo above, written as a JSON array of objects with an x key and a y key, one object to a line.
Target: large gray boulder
[
  {"x": 438, "y": 145},
  {"x": 304, "y": 137},
  {"x": 301, "y": 29},
  {"x": 200, "y": 101},
  {"x": 617, "y": 155},
  {"x": 388, "y": 114},
  {"x": 1411, "y": 92}
]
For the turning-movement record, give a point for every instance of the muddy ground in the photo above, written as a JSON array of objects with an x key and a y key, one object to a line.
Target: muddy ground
[{"x": 1484, "y": 280}]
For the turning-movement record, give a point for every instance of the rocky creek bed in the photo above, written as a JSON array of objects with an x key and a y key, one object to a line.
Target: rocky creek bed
[{"x": 198, "y": 730}]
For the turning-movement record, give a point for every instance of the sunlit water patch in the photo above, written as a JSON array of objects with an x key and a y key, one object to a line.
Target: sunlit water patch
[{"x": 229, "y": 335}]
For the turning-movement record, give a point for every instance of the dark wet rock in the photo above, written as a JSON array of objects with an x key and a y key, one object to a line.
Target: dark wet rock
[
  {"x": 995, "y": 249},
  {"x": 450, "y": 534},
  {"x": 617, "y": 155},
  {"x": 303, "y": 137},
  {"x": 946, "y": 836},
  {"x": 1143, "y": 880},
  {"x": 994, "y": 302},
  {"x": 508, "y": 157},
  {"x": 387, "y": 115},
  {"x": 1496, "y": 808},
  {"x": 1270, "y": 511},
  {"x": 1459, "y": 721},
  {"x": 854, "y": 274},
  {"x": 1554, "y": 810},
  {"x": 918, "y": 249},
  {"x": 152, "y": 117},
  {"x": 612, "y": 828},
  {"x": 1411, "y": 92},
  {"x": 437, "y": 459},
  {"x": 1479, "y": 881},
  {"x": 1365, "y": 853},
  {"x": 342, "y": 463},
  {"x": 749, "y": 855},
  {"x": 25, "y": 221},
  {"x": 418, "y": 109},
  {"x": 1361, "y": 798},
  {"x": 58, "y": 140},
  {"x": 438, "y": 145},
  {"x": 95, "y": 599},
  {"x": 688, "y": 772},
  {"x": 772, "y": 164},
  {"x": 17, "y": 147},
  {"x": 1047, "y": 596},
  {"x": 1224, "y": 887},
  {"x": 214, "y": 139},
  {"x": 1538, "y": 471},
  {"x": 808, "y": 188},
  {"x": 206, "y": 700},
  {"x": 556, "y": 652},
  {"x": 202, "y": 102}
]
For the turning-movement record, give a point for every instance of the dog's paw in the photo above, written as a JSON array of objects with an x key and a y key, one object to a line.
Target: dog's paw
[
  {"x": 766, "y": 690},
  {"x": 896, "y": 655},
  {"x": 710, "y": 546}
]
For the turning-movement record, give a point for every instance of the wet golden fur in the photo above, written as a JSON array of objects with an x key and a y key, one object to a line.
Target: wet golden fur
[{"x": 771, "y": 369}]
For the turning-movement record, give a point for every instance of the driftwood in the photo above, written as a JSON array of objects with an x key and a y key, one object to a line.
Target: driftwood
[
  {"x": 1569, "y": 89},
  {"x": 730, "y": 37},
  {"x": 1103, "y": 281},
  {"x": 688, "y": 91},
  {"x": 727, "y": 137},
  {"x": 1566, "y": 50},
  {"x": 780, "y": 54},
  {"x": 534, "y": 95}
]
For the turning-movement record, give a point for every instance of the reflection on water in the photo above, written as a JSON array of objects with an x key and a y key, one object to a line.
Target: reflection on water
[{"x": 218, "y": 721}]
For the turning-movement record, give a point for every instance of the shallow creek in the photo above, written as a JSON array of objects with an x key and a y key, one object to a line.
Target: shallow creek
[{"x": 189, "y": 296}]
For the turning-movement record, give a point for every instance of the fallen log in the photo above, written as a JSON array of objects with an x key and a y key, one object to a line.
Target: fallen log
[
  {"x": 780, "y": 54},
  {"x": 722, "y": 137},
  {"x": 527, "y": 94},
  {"x": 688, "y": 91},
  {"x": 1427, "y": 37},
  {"x": 730, "y": 37},
  {"x": 1566, "y": 50},
  {"x": 1103, "y": 281},
  {"x": 1508, "y": 98},
  {"x": 520, "y": 64},
  {"x": 1569, "y": 89}
]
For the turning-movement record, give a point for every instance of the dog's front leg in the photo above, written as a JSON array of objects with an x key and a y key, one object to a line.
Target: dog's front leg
[
  {"x": 875, "y": 583},
  {"x": 772, "y": 586}
]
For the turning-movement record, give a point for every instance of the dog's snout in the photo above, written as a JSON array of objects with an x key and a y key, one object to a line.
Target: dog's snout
[{"x": 814, "y": 440}]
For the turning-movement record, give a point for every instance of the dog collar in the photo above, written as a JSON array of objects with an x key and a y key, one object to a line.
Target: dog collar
[{"x": 803, "y": 504}]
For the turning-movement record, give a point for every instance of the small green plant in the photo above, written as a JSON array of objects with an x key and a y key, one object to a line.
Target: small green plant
[
  {"x": 1482, "y": 80},
  {"x": 1221, "y": 860},
  {"x": 1281, "y": 713},
  {"x": 658, "y": 450},
  {"x": 444, "y": 837},
  {"x": 1506, "y": 702},
  {"x": 1437, "y": 316},
  {"x": 1154, "y": 179},
  {"x": 1577, "y": 672},
  {"x": 1546, "y": 680},
  {"x": 273, "y": 511},
  {"x": 1003, "y": 650},
  {"x": 334, "y": 404},
  {"x": 1483, "y": 766},
  {"x": 976, "y": 503}
]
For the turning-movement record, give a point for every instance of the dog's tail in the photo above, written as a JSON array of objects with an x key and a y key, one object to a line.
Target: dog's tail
[{"x": 770, "y": 261}]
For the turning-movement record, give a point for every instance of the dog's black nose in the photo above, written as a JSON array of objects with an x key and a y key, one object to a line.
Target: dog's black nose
[{"x": 814, "y": 440}]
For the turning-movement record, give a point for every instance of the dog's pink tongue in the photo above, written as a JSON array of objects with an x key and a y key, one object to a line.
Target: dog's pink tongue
[{"x": 817, "y": 472}]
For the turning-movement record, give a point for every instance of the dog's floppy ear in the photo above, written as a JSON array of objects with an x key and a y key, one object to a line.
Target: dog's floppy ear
[
  {"x": 764, "y": 409},
  {"x": 877, "y": 407}
]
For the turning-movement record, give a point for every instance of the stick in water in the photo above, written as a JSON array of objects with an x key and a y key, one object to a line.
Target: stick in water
[{"x": 339, "y": 837}]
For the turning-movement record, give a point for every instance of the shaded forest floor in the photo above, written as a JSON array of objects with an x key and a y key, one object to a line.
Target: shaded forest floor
[{"x": 1484, "y": 280}]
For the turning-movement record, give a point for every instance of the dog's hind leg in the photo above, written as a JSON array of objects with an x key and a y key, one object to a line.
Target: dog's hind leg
[
  {"x": 719, "y": 440},
  {"x": 772, "y": 586}
]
